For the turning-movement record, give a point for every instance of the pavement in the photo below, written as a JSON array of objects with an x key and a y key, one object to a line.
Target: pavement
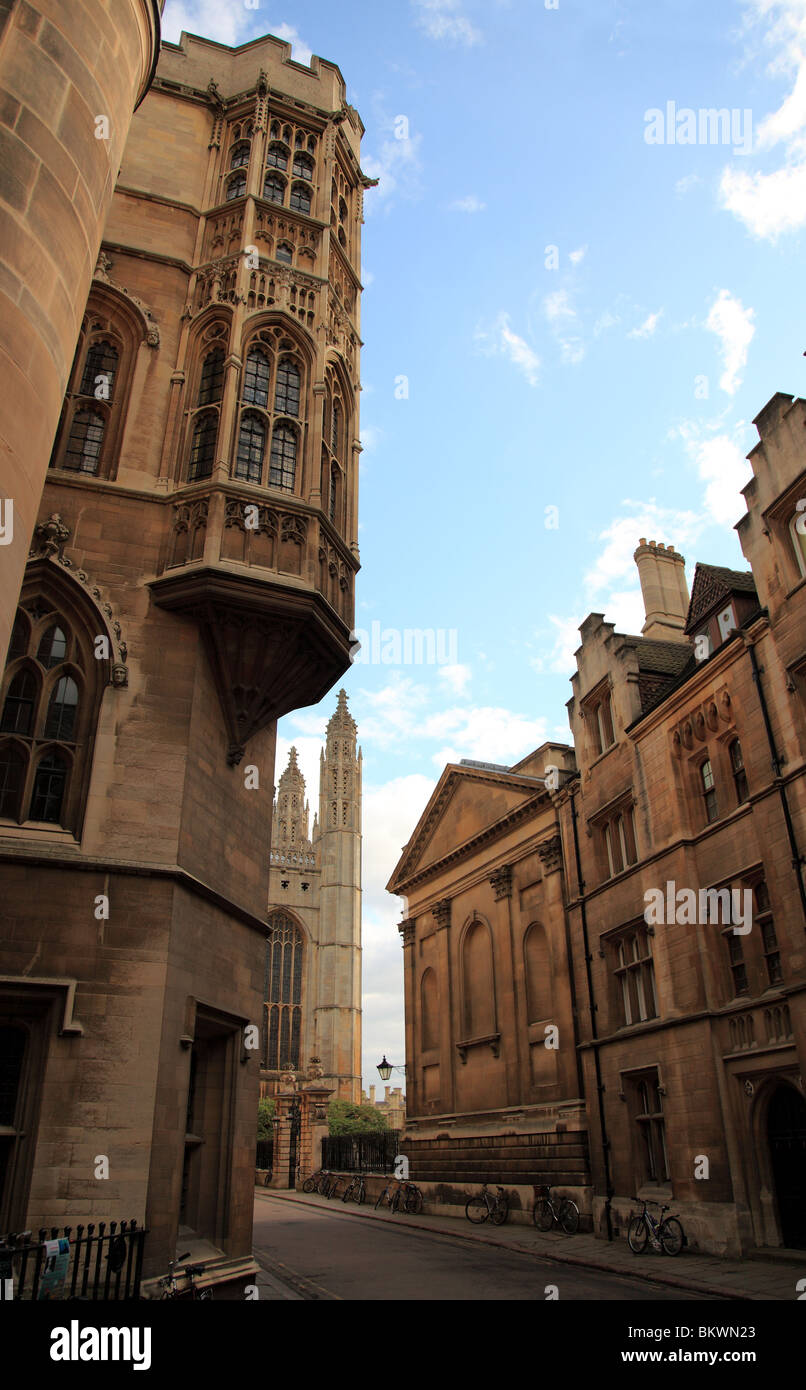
[{"x": 708, "y": 1276}]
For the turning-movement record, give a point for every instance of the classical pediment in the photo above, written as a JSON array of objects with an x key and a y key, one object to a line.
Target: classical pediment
[{"x": 466, "y": 806}]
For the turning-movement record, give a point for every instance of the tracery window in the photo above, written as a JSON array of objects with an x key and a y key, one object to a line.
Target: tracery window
[
  {"x": 274, "y": 188},
  {"x": 49, "y": 698},
  {"x": 277, "y": 157},
  {"x": 334, "y": 449},
  {"x": 285, "y": 253},
  {"x": 212, "y": 377},
  {"x": 240, "y": 155},
  {"x": 202, "y": 451},
  {"x": 202, "y": 429},
  {"x": 272, "y": 399},
  {"x": 236, "y": 186},
  {"x": 282, "y": 1034},
  {"x": 98, "y": 386},
  {"x": 301, "y": 198},
  {"x": 303, "y": 167}
]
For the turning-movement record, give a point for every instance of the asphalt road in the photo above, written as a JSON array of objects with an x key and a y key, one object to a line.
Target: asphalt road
[{"x": 318, "y": 1253}]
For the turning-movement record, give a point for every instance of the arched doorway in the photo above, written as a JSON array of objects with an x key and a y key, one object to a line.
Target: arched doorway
[{"x": 786, "y": 1133}]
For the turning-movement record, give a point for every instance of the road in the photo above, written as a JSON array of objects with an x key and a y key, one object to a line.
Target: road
[{"x": 321, "y": 1253}]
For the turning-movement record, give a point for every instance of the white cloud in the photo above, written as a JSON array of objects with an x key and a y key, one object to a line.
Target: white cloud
[
  {"x": 445, "y": 19},
  {"x": 686, "y": 184},
  {"x": 456, "y": 678},
  {"x": 300, "y": 51},
  {"x": 558, "y": 306},
  {"x": 228, "y": 24},
  {"x": 724, "y": 469},
  {"x": 772, "y": 203},
  {"x": 734, "y": 327},
  {"x": 397, "y": 166},
  {"x": 561, "y": 314},
  {"x": 604, "y": 322},
  {"x": 469, "y": 204},
  {"x": 575, "y": 257},
  {"x": 648, "y": 327},
  {"x": 370, "y": 438},
  {"x": 500, "y": 339},
  {"x": 615, "y": 563}
]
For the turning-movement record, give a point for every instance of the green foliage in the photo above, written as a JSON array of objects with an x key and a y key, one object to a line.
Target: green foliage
[
  {"x": 344, "y": 1118},
  {"x": 265, "y": 1115}
]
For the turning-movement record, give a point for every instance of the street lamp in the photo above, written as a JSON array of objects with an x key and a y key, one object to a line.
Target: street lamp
[{"x": 385, "y": 1069}]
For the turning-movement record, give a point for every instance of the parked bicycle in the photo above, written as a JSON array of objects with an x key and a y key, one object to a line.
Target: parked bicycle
[
  {"x": 399, "y": 1196},
  {"x": 562, "y": 1210},
  {"x": 484, "y": 1206},
  {"x": 311, "y": 1183},
  {"x": 665, "y": 1234},
  {"x": 355, "y": 1191},
  {"x": 170, "y": 1286},
  {"x": 332, "y": 1188}
]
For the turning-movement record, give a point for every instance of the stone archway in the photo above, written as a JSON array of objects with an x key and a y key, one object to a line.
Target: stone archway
[{"x": 785, "y": 1126}]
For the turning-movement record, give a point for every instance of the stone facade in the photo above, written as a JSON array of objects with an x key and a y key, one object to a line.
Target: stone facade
[
  {"x": 493, "y": 1087},
  {"x": 64, "y": 71},
  {"x": 190, "y": 580},
  {"x": 392, "y": 1107},
  {"x": 313, "y": 966},
  {"x": 680, "y": 829}
]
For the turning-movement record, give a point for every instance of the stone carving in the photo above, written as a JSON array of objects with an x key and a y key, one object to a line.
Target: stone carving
[
  {"x": 406, "y": 930},
  {"x": 551, "y": 854},
  {"x": 102, "y": 269},
  {"x": 501, "y": 882},
  {"x": 50, "y": 538},
  {"x": 442, "y": 913}
]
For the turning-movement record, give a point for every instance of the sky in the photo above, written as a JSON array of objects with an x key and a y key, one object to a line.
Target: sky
[{"x": 577, "y": 296}]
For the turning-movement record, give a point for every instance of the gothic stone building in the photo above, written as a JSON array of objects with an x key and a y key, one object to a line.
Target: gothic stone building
[
  {"x": 313, "y": 966},
  {"x": 493, "y": 1084},
  {"x": 191, "y": 579},
  {"x": 682, "y": 898}
]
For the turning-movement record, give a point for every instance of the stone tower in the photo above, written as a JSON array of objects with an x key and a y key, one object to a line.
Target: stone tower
[
  {"x": 313, "y": 964},
  {"x": 190, "y": 579}
]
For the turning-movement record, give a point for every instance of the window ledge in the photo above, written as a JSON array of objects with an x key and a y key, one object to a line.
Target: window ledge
[{"x": 492, "y": 1039}]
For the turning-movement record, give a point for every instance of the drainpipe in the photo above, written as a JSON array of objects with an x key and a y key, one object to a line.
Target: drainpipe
[
  {"x": 776, "y": 769},
  {"x": 594, "y": 1032}
]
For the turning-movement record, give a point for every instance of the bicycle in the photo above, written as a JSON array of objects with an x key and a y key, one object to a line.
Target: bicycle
[
  {"x": 665, "y": 1234},
  {"x": 170, "y": 1287},
  {"x": 332, "y": 1188},
  {"x": 311, "y": 1183},
  {"x": 483, "y": 1206},
  {"x": 545, "y": 1212},
  {"x": 355, "y": 1191},
  {"x": 405, "y": 1196}
]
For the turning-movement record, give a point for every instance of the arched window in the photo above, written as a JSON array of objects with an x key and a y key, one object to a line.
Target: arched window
[
  {"x": 50, "y": 705},
  {"x": 236, "y": 187},
  {"x": 62, "y": 710},
  {"x": 285, "y": 253},
  {"x": 477, "y": 981},
  {"x": 312, "y": 144},
  {"x": 334, "y": 492},
  {"x": 300, "y": 199},
  {"x": 274, "y": 188},
  {"x": 20, "y": 636},
  {"x": 256, "y": 378},
  {"x": 429, "y": 1011},
  {"x": 709, "y": 792},
  {"x": 49, "y": 788},
  {"x": 202, "y": 452},
  {"x": 538, "y": 974},
  {"x": 211, "y": 384},
  {"x": 739, "y": 774},
  {"x": 277, "y": 156},
  {"x": 303, "y": 167},
  {"x": 100, "y": 369},
  {"x": 334, "y": 428},
  {"x": 13, "y": 764},
  {"x": 239, "y": 157},
  {"x": 282, "y": 472},
  {"x": 282, "y": 1040},
  {"x": 52, "y": 648},
  {"x": 83, "y": 452},
  {"x": 286, "y": 398},
  {"x": 251, "y": 449},
  {"x": 20, "y": 703}
]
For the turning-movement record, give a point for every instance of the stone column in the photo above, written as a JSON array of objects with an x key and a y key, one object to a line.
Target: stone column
[{"x": 70, "y": 78}]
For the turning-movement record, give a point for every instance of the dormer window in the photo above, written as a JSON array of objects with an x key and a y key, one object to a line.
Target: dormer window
[
  {"x": 726, "y": 622},
  {"x": 797, "y": 530}
]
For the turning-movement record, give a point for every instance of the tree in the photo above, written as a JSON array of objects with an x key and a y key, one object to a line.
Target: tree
[
  {"x": 265, "y": 1115},
  {"x": 345, "y": 1118}
]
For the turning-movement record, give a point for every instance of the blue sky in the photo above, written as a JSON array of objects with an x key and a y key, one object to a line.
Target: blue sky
[{"x": 585, "y": 322}]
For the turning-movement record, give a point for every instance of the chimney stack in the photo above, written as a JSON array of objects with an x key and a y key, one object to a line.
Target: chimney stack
[{"x": 662, "y": 572}]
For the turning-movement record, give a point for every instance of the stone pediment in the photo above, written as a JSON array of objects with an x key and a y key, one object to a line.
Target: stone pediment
[{"x": 465, "y": 805}]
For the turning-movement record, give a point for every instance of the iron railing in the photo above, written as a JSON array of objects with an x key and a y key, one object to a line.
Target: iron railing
[
  {"x": 102, "y": 1263},
  {"x": 265, "y": 1153},
  {"x": 361, "y": 1153}
]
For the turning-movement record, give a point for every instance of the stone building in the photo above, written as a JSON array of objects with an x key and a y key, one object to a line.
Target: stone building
[
  {"x": 191, "y": 579},
  {"x": 313, "y": 965},
  {"x": 71, "y": 77},
  {"x": 392, "y": 1107},
  {"x": 682, "y": 822},
  {"x": 493, "y": 1082}
]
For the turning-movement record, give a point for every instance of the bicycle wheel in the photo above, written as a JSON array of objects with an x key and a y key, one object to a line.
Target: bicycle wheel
[
  {"x": 671, "y": 1236},
  {"x": 637, "y": 1235},
  {"x": 333, "y": 1189},
  {"x": 542, "y": 1214},
  {"x": 413, "y": 1200},
  {"x": 384, "y": 1194},
  {"x": 500, "y": 1211},
  {"x": 348, "y": 1191},
  {"x": 476, "y": 1210},
  {"x": 569, "y": 1216},
  {"x": 360, "y": 1194},
  {"x": 309, "y": 1184}
]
